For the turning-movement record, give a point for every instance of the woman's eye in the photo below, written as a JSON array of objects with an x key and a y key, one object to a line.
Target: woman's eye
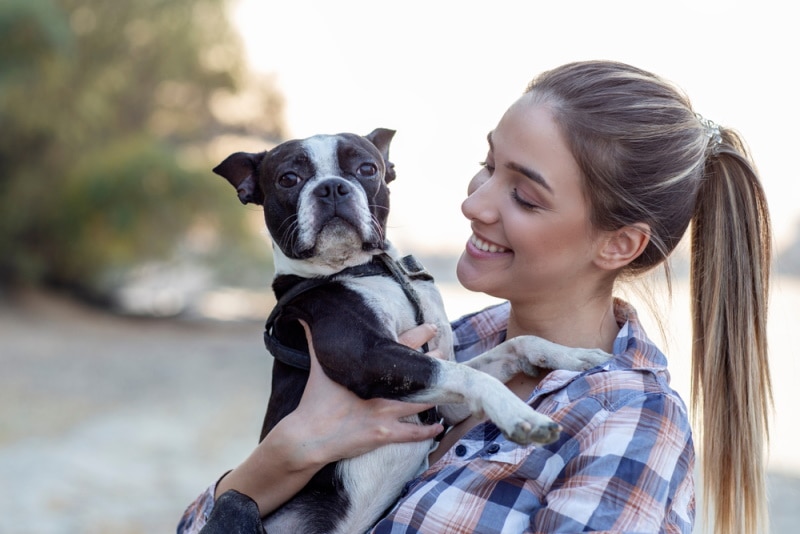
[
  {"x": 289, "y": 179},
  {"x": 488, "y": 166},
  {"x": 367, "y": 170},
  {"x": 522, "y": 202}
]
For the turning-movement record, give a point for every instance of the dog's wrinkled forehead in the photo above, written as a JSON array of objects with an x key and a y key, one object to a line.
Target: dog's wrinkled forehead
[
  {"x": 323, "y": 151},
  {"x": 324, "y": 155}
]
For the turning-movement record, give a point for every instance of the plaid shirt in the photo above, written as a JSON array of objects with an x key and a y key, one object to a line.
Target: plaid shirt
[{"x": 624, "y": 462}]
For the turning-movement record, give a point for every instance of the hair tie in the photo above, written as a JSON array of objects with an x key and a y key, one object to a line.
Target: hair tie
[{"x": 712, "y": 131}]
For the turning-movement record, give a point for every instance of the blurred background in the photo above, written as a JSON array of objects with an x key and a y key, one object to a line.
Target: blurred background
[{"x": 133, "y": 285}]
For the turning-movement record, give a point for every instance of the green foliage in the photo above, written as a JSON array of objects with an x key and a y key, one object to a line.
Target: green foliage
[{"x": 106, "y": 113}]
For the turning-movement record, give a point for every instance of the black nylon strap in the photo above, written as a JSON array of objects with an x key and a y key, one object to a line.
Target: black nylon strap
[
  {"x": 403, "y": 271},
  {"x": 401, "y": 276}
]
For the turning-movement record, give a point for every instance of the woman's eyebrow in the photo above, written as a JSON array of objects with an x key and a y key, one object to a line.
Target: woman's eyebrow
[
  {"x": 525, "y": 171},
  {"x": 531, "y": 174}
]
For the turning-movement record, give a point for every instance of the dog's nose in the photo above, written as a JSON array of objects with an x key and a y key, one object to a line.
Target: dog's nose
[{"x": 332, "y": 189}]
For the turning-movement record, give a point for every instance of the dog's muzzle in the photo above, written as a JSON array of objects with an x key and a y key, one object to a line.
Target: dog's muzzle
[
  {"x": 336, "y": 197},
  {"x": 334, "y": 211}
]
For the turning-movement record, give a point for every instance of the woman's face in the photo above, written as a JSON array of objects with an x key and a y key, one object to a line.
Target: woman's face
[{"x": 530, "y": 220}]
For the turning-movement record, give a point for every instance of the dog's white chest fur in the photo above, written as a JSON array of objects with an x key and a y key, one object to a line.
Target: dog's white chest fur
[{"x": 385, "y": 296}]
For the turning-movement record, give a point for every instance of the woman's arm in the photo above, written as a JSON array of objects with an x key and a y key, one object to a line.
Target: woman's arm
[{"x": 329, "y": 424}]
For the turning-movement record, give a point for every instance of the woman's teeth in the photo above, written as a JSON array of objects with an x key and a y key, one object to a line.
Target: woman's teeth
[{"x": 486, "y": 247}]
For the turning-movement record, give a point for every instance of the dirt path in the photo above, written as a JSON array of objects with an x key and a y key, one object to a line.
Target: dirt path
[
  {"x": 111, "y": 424},
  {"x": 114, "y": 425}
]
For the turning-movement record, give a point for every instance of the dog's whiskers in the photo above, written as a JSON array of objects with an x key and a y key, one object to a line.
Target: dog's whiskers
[
  {"x": 376, "y": 227},
  {"x": 290, "y": 220},
  {"x": 292, "y": 233}
]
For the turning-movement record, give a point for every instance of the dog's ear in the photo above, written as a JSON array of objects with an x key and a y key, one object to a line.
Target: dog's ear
[
  {"x": 241, "y": 170},
  {"x": 381, "y": 138}
]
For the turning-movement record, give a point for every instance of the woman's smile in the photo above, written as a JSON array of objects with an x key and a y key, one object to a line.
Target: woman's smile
[{"x": 480, "y": 247}]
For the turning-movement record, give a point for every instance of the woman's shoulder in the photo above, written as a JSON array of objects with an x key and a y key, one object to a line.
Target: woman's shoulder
[
  {"x": 614, "y": 388},
  {"x": 478, "y": 332},
  {"x": 630, "y": 399}
]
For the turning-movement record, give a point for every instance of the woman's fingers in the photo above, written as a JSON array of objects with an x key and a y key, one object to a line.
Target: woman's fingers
[
  {"x": 418, "y": 336},
  {"x": 351, "y": 425},
  {"x": 436, "y": 353},
  {"x": 404, "y": 432}
]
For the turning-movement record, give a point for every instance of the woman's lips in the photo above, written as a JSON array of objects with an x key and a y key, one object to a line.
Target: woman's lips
[{"x": 484, "y": 246}]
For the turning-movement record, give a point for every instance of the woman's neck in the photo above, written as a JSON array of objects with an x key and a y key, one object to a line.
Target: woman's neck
[{"x": 589, "y": 325}]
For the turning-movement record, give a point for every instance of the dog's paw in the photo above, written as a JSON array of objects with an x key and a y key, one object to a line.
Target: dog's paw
[
  {"x": 585, "y": 359},
  {"x": 519, "y": 422},
  {"x": 525, "y": 433},
  {"x": 536, "y": 353}
]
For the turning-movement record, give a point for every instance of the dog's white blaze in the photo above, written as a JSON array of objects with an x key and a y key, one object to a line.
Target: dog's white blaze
[{"x": 322, "y": 151}]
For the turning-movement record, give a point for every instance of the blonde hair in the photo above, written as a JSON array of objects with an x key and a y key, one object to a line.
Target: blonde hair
[{"x": 648, "y": 158}]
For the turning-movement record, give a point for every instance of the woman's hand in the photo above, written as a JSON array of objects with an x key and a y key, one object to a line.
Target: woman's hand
[
  {"x": 342, "y": 425},
  {"x": 329, "y": 424}
]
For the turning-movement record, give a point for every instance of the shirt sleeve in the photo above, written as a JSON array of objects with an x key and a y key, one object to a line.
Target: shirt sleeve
[
  {"x": 633, "y": 472},
  {"x": 196, "y": 515}
]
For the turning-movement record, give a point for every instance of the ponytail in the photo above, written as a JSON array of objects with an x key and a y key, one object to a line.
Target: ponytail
[
  {"x": 648, "y": 158},
  {"x": 731, "y": 390}
]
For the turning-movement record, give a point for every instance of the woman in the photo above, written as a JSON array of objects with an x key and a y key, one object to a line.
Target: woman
[{"x": 593, "y": 174}]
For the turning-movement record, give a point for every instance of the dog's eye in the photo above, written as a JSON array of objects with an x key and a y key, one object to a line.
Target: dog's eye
[
  {"x": 367, "y": 170},
  {"x": 289, "y": 179}
]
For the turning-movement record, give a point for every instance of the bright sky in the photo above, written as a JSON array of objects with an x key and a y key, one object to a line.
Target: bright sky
[{"x": 442, "y": 72}]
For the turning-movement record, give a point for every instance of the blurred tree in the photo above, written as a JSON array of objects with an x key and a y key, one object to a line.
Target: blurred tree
[{"x": 107, "y": 110}]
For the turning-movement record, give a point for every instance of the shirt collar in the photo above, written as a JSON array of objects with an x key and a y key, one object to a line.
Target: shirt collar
[{"x": 632, "y": 350}]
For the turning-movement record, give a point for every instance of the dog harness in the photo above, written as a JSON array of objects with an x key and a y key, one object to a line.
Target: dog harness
[{"x": 404, "y": 271}]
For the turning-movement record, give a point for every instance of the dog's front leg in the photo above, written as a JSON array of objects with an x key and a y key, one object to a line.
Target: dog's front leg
[
  {"x": 530, "y": 354},
  {"x": 384, "y": 368},
  {"x": 485, "y": 396}
]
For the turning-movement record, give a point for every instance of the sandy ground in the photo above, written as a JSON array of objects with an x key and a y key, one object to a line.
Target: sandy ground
[{"x": 113, "y": 424}]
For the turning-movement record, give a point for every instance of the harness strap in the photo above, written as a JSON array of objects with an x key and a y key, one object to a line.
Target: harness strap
[
  {"x": 403, "y": 271},
  {"x": 402, "y": 276}
]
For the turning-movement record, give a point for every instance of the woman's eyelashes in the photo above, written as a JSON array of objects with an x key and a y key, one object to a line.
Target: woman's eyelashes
[
  {"x": 515, "y": 195},
  {"x": 526, "y": 204}
]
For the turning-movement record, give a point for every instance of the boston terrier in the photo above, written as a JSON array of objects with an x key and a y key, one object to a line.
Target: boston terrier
[{"x": 326, "y": 203}]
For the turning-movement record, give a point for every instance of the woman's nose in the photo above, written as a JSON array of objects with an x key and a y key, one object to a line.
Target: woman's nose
[
  {"x": 478, "y": 180},
  {"x": 478, "y": 205}
]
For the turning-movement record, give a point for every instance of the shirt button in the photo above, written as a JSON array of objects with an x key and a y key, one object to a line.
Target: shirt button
[
  {"x": 461, "y": 450},
  {"x": 493, "y": 448}
]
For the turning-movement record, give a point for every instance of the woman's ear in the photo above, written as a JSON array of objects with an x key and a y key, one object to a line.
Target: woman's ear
[{"x": 622, "y": 246}]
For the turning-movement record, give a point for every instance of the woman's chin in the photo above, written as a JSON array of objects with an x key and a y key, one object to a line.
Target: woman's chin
[{"x": 468, "y": 276}]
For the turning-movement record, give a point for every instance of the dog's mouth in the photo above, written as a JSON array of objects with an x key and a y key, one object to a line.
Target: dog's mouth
[
  {"x": 337, "y": 241},
  {"x": 331, "y": 229}
]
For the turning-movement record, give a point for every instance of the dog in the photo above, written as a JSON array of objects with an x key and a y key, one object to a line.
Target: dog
[{"x": 326, "y": 203}]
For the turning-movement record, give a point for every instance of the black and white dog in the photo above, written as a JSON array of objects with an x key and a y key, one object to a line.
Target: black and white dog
[{"x": 326, "y": 203}]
